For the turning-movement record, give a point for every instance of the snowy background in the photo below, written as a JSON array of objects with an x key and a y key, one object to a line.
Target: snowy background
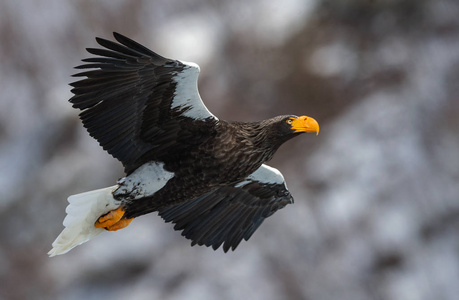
[{"x": 376, "y": 213}]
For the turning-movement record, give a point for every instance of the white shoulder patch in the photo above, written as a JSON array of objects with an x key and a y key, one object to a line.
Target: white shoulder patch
[
  {"x": 143, "y": 182},
  {"x": 187, "y": 95},
  {"x": 264, "y": 174},
  {"x": 191, "y": 64}
]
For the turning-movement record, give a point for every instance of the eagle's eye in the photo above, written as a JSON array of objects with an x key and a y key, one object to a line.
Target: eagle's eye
[{"x": 289, "y": 121}]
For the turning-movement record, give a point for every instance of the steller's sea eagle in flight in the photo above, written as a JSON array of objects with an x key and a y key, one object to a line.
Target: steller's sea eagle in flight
[{"x": 205, "y": 175}]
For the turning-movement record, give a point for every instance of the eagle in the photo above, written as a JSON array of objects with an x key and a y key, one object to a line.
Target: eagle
[{"x": 207, "y": 176}]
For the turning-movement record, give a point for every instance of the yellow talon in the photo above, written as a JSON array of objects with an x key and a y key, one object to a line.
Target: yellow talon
[
  {"x": 113, "y": 220},
  {"x": 120, "y": 224}
]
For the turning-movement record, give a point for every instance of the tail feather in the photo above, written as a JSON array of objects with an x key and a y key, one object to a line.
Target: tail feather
[{"x": 82, "y": 212}]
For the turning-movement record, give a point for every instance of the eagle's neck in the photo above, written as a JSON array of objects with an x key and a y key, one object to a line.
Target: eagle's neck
[{"x": 257, "y": 140}]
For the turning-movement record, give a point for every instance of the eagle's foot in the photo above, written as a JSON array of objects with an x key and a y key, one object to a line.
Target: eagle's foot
[
  {"x": 113, "y": 220},
  {"x": 120, "y": 224}
]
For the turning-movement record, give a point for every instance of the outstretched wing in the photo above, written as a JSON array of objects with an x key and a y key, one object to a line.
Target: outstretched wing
[
  {"x": 230, "y": 213},
  {"x": 138, "y": 104}
]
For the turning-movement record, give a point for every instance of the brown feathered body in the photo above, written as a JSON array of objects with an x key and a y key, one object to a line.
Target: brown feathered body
[{"x": 223, "y": 156}]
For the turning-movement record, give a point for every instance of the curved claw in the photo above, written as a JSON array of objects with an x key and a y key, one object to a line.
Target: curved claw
[{"x": 113, "y": 220}]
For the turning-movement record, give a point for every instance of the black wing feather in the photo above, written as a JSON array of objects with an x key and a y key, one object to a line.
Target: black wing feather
[
  {"x": 228, "y": 214},
  {"x": 126, "y": 101}
]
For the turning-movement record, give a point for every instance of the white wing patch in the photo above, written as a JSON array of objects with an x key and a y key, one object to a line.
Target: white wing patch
[
  {"x": 187, "y": 95},
  {"x": 264, "y": 174},
  {"x": 143, "y": 182}
]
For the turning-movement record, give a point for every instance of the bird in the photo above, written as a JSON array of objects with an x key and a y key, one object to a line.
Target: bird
[{"x": 205, "y": 175}]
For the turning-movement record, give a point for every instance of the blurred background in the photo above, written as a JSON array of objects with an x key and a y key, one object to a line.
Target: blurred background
[{"x": 376, "y": 213}]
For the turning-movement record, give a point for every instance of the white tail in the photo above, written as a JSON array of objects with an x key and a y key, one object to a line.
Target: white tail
[{"x": 82, "y": 212}]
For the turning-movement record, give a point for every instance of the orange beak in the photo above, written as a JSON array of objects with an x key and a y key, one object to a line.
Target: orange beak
[{"x": 305, "y": 124}]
